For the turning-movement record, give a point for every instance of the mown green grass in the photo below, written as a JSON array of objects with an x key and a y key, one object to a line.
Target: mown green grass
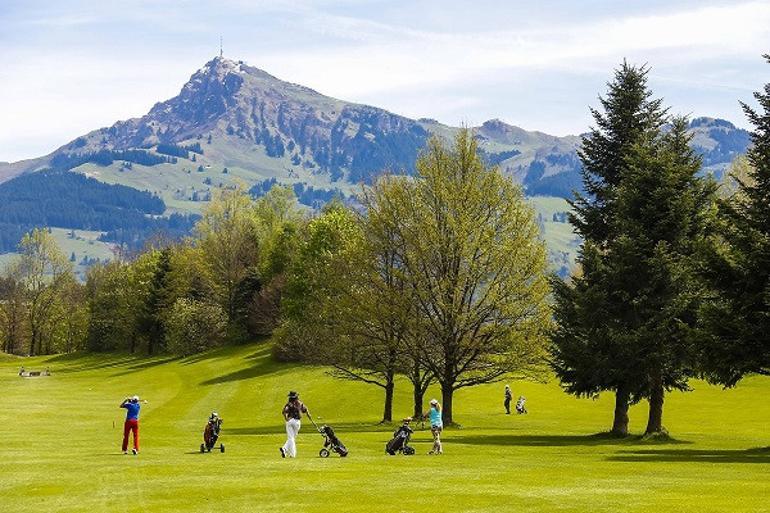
[{"x": 61, "y": 436}]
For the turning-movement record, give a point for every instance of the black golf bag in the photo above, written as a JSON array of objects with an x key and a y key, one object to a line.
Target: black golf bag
[
  {"x": 331, "y": 442},
  {"x": 400, "y": 442},
  {"x": 211, "y": 435}
]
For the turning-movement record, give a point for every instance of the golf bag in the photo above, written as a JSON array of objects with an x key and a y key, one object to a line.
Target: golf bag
[
  {"x": 400, "y": 441},
  {"x": 331, "y": 442},
  {"x": 520, "y": 408},
  {"x": 211, "y": 434}
]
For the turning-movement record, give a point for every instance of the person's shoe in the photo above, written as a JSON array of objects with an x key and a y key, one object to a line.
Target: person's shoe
[
  {"x": 283, "y": 453},
  {"x": 125, "y": 452},
  {"x": 134, "y": 452}
]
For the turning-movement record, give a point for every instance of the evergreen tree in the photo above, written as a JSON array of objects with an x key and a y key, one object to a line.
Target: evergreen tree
[
  {"x": 738, "y": 318},
  {"x": 157, "y": 303},
  {"x": 587, "y": 356},
  {"x": 662, "y": 219}
]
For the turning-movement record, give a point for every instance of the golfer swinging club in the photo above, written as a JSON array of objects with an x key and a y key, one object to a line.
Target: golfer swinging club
[
  {"x": 292, "y": 413},
  {"x": 132, "y": 407}
]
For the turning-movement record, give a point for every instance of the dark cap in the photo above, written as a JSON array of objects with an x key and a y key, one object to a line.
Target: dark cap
[{"x": 293, "y": 395}]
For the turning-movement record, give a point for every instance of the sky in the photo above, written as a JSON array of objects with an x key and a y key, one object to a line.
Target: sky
[{"x": 70, "y": 66}]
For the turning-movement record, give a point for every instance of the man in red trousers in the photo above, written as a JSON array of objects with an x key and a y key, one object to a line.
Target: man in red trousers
[{"x": 131, "y": 425}]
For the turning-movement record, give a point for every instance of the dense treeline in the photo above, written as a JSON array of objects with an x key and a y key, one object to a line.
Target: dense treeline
[
  {"x": 106, "y": 157},
  {"x": 11, "y": 234},
  {"x": 224, "y": 283},
  {"x": 440, "y": 277},
  {"x": 71, "y": 200},
  {"x": 176, "y": 150},
  {"x": 306, "y": 194},
  {"x": 173, "y": 150}
]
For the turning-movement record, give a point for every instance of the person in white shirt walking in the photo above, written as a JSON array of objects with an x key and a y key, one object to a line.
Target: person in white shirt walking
[{"x": 292, "y": 414}]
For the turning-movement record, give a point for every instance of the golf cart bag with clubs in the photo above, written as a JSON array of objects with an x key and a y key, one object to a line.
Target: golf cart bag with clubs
[
  {"x": 331, "y": 442},
  {"x": 211, "y": 434},
  {"x": 400, "y": 441}
]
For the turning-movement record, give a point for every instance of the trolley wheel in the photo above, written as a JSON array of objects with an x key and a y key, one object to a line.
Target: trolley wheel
[
  {"x": 221, "y": 447},
  {"x": 203, "y": 448},
  {"x": 324, "y": 453}
]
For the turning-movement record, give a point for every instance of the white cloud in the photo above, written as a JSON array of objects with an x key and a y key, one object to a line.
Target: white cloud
[
  {"x": 80, "y": 86},
  {"x": 390, "y": 58}
]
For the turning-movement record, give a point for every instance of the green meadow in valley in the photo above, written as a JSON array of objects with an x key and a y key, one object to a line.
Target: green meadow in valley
[{"x": 62, "y": 433}]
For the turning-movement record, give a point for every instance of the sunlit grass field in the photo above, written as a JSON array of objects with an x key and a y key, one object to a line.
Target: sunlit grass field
[{"x": 61, "y": 444}]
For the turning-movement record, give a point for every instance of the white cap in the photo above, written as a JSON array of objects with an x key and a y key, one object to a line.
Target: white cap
[
  {"x": 214, "y": 414},
  {"x": 135, "y": 398},
  {"x": 434, "y": 401}
]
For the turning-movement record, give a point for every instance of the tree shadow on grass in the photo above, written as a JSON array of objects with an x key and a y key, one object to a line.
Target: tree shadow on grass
[
  {"x": 84, "y": 363},
  {"x": 307, "y": 428},
  {"x": 550, "y": 440},
  {"x": 263, "y": 350},
  {"x": 261, "y": 367},
  {"x": 148, "y": 364},
  {"x": 758, "y": 455}
]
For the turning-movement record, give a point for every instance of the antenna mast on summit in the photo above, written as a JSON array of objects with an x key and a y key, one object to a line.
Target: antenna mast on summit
[{"x": 221, "y": 51}]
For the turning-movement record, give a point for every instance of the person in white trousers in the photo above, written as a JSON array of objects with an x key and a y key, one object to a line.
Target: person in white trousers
[{"x": 292, "y": 414}]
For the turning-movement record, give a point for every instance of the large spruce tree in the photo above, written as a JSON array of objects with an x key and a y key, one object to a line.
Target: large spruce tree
[
  {"x": 589, "y": 354},
  {"x": 662, "y": 217},
  {"x": 738, "y": 319}
]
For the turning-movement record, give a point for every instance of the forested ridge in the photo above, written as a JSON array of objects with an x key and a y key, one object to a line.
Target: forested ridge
[{"x": 71, "y": 200}]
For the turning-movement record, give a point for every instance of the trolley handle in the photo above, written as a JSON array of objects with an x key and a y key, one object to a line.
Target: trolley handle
[{"x": 312, "y": 421}]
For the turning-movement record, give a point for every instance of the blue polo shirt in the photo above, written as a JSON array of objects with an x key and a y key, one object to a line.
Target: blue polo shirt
[
  {"x": 435, "y": 417},
  {"x": 132, "y": 410}
]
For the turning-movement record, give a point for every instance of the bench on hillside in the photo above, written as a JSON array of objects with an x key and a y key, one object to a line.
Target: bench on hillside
[{"x": 33, "y": 374}]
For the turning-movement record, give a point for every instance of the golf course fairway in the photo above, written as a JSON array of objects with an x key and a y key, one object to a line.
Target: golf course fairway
[{"x": 61, "y": 439}]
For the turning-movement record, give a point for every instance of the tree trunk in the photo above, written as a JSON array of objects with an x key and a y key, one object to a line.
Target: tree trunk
[
  {"x": 655, "y": 419},
  {"x": 33, "y": 337},
  {"x": 419, "y": 396},
  {"x": 447, "y": 393},
  {"x": 620, "y": 421},
  {"x": 387, "y": 414}
]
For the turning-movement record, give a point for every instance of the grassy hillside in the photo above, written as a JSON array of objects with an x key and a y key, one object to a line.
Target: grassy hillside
[
  {"x": 559, "y": 236},
  {"x": 176, "y": 183},
  {"x": 85, "y": 244},
  {"x": 62, "y": 435}
]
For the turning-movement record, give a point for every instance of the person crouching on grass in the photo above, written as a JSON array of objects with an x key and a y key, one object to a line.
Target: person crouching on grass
[
  {"x": 292, "y": 413},
  {"x": 131, "y": 425},
  {"x": 436, "y": 426}
]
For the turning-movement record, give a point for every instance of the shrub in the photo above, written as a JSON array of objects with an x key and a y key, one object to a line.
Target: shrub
[{"x": 195, "y": 326}]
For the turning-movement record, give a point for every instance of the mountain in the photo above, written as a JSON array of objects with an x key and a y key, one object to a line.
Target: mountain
[{"x": 235, "y": 122}]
